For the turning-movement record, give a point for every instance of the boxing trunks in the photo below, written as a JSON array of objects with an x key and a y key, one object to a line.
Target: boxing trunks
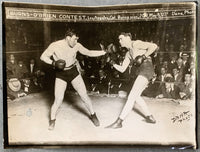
[
  {"x": 68, "y": 74},
  {"x": 146, "y": 69}
]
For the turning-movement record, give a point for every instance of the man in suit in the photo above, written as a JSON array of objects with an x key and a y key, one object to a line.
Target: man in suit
[
  {"x": 11, "y": 65},
  {"x": 186, "y": 88},
  {"x": 178, "y": 77},
  {"x": 169, "y": 90}
]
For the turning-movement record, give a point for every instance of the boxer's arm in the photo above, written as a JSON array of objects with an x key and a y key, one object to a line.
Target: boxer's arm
[
  {"x": 90, "y": 53},
  {"x": 150, "y": 47},
  {"x": 123, "y": 67},
  {"x": 45, "y": 57}
]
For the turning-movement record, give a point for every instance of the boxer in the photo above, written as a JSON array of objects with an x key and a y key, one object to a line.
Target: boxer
[
  {"x": 139, "y": 52},
  {"x": 64, "y": 61}
]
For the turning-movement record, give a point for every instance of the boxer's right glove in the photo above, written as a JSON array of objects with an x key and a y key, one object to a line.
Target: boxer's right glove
[
  {"x": 59, "y": 64},
  {"x": 140, "y": 59}
]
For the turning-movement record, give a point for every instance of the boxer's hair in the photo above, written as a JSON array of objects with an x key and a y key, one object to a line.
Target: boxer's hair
[
  {"x": 70, "y": 32},
  {"x": 126, "y": 34}
]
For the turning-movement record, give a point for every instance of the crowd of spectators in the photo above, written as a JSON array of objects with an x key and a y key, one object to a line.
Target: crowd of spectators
[
  {"x": 174, "y": 73},
  {"x": 22, "y": 79}
]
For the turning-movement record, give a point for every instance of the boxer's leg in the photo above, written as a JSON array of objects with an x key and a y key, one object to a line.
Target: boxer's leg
[
  {"x": 137, "y": 89},
  {"x": 79, "y": 86},
  {"x": 60, "y": 87},
  {"x": 148, "y": 115},
  {"x": 143, "y": 106}
]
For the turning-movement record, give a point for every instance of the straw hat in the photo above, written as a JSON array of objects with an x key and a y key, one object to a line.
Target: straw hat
[
  {"x": 185, "y": 54},
  {"x": 14, "y": 84}
]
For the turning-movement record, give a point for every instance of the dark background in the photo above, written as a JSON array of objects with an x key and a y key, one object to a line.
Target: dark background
[{"x": 28, "y": 39}]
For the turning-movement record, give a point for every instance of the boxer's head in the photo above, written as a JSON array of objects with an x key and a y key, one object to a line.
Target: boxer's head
[
  {"x": 125, "y": 39},
  {"x": 71, "y": 38}
]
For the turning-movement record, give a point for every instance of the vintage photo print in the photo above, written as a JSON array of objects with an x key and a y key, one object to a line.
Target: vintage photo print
[{"x": 109, "y": 75}]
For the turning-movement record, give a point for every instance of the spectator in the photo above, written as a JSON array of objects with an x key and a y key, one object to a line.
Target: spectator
[
  {"x": 11, "y": 65},
  {"x": 102, "y": 85},
  {"x": 186, "y": 64},
  {"x": 169, "y": 90},
  {"x": 14, "y": 89},
  {"x": 186, "y": 88},
  {"x": 185, "y": 59},
  {"x": 158, "y": 63},
  {"x": 21, "y": 70},
  {"x": 180, "y": 66},
  {"x": 192, "y": 72},
  {"x": 172, "y": 62},
  {"x": 162, "y": 75},
  {"x": 166, "y": 66},
  {"x": 191, "y": 66},
  {"x": 32, "y": 68},
  {"x": 36, "y": 78},
  {"x": 178, "y": 77},
  {"x": 155, "y": 86}
]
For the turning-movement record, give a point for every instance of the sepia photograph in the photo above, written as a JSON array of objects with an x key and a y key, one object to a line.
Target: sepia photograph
[{"x": 107, "y": 75}]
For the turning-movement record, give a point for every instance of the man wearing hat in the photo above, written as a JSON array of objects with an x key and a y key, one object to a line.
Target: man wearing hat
[
  {"x": 186, "y": 64},
  {"x": 14, "y": 89}
]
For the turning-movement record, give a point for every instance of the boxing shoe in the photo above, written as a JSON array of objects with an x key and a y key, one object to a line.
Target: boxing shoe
[
  {"x": 150, "y": 119},
  {"x": 52, "y": 124},
  {"x": 95, "y": 120},
  {"x": 116, "y": 124}
]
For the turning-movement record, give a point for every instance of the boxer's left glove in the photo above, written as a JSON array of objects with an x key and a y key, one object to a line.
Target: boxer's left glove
[
  {"x": 59, "y": 64},
  {"x": 140, "y": 59}
]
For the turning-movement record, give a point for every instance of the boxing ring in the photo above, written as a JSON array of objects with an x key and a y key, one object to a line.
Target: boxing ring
[{"x": 29, "y": 116}]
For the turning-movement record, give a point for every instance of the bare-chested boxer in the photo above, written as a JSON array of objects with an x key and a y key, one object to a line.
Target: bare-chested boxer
[{"x": 64, "y": 58}]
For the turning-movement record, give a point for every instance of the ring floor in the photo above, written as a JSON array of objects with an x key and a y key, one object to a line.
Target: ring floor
[{"x": 28, "y": 119}]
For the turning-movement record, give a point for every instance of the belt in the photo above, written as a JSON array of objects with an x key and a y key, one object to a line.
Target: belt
[{"x": 70, "y": 67}]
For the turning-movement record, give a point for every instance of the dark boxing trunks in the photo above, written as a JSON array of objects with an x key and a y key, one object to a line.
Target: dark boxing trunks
[
  {"x": 67, "y": 75},
  {"x": 146, "y": 69}
]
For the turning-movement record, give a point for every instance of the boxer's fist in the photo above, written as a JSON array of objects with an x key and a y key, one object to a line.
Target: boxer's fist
[
  {"x": 140, "y": 59},
  {"x": 103, "y": 48},
  {"x": 111, "y": 48},
  {"x": 59, "y": 64}
]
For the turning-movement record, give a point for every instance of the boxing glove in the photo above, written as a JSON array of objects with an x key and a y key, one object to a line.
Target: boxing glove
[
  {"x": 103, "y": 48},
  {"x": 59, "y": 64},
  {"x": 111, "y": 48},
  {"x": 140, "y": 59}
]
